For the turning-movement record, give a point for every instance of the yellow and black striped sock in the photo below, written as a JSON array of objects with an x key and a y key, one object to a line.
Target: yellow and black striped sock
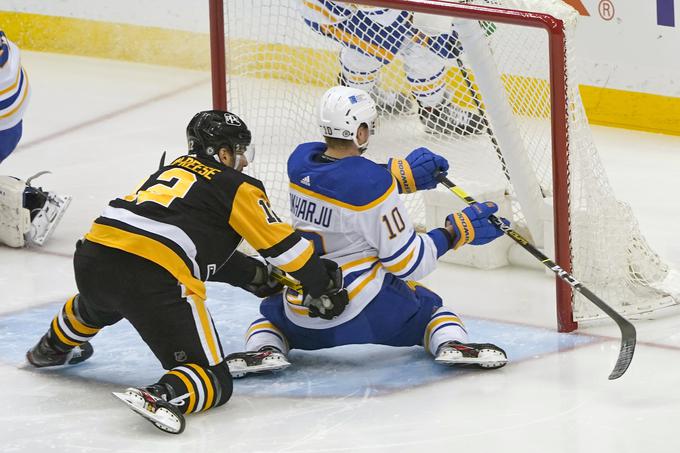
[
  {"x": 198, "y": 388},
  {"x": 68, "y": 329}
]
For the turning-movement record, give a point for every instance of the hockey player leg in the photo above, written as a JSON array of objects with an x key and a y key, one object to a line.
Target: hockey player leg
[
  {"x": 361, "y": 71},
  {"x": 266, "y": 349},
  {"x": 67, "y": 340},
  {"x": 182, "y": 390},
  {"x": 439, "y": 114},
  {"x": 446, "y": 339}
]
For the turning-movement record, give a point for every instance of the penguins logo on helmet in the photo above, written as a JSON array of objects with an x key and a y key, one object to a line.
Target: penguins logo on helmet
[{"x": 232, "y": 119}]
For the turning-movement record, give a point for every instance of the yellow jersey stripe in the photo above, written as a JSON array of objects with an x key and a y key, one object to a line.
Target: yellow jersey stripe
[
  {"x": 401, "y": 264},
  {"x": 150, "y": 249},
  {"x": 80, "y": 327},
  {"x": 300, "y": 261},
  {"x": 365, "y": 282},
  {"x": 208, "y": 385},
  {"x": 437, "y": 322},
  {"x": 318, "y": 8},
  {"x": 342, "y": 204},
  {"x": 355, "y": 41},
  {"x": 206, "y": 326},
  {"x": 192, "y": 391},
  {"x": 14, "y": 85},
  {"x": 23, "y": 98},
  {"x": 351, "y": 264}
]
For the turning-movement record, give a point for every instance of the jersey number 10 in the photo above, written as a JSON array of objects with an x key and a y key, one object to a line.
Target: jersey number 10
[{"x": 395, "y": 224}]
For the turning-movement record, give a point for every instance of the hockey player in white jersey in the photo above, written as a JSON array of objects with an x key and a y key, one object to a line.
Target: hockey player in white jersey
[
  {"x": 372, "y": 37},
  {"x": 27, "y": 214},
  {"x": 350, "y": 208}
]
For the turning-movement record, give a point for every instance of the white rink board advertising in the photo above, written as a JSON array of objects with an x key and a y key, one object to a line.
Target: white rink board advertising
[{"x": 630, "y": 45}]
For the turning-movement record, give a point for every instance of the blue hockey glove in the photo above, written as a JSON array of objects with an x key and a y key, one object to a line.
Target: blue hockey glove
[
  {"x": 472, "y": 225},
  {"x": 417, "y": 171}
]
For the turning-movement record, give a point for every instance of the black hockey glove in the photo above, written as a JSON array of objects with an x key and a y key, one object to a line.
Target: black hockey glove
[
  {"x": 263, "y": 283},
  {"x": 333, "y": 300}
]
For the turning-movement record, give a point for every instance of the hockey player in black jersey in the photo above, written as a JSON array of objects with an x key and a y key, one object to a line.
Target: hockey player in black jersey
[{"x": 146, "y": 259}]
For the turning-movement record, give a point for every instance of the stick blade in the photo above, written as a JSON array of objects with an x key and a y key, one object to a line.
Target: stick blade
[{"x": 628, "y": 339}]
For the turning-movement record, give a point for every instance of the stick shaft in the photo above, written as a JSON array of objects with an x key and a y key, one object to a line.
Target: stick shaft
[{"x": 628, "y": 334}]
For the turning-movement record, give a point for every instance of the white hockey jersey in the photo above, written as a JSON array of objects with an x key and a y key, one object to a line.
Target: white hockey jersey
[
  {"x": 14, "y": 88},
  {"x": 350, "y": 209}
]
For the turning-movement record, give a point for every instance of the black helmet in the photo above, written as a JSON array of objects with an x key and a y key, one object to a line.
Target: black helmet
[{"x": 211, "y": 130}]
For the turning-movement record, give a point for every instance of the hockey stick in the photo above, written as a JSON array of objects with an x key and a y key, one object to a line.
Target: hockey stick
[
  {"x": 283, "y": 278},
  {"x": 628, "y": 334}
]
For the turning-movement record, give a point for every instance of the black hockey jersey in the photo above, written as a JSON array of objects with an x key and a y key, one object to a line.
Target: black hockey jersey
[{"x": 190, "y": 216}]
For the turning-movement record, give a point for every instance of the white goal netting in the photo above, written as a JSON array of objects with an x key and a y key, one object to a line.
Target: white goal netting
[{"x": 477, "y": 92}]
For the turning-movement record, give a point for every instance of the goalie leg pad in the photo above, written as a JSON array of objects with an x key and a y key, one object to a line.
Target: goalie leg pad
[{"x": 15, "y": 220}]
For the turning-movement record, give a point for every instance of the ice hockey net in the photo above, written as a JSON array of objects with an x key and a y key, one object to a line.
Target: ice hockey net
[{"x": 534, "y": 155}]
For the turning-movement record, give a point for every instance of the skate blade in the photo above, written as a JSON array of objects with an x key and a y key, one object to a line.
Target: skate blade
[
  {"x": 159, "y": 422},
  {"x": 238, "y": 371},
  {"x": 487, "y": 363}
]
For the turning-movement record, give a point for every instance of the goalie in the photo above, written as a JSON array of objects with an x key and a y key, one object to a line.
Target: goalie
[
  {"x": 28, "y": 215},
  {"x": 350, "y": 208},
  {"x": 371, "y": 38}
]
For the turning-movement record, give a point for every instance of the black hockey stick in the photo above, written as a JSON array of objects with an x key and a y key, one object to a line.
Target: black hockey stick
[{"x": 628, "y": 334}]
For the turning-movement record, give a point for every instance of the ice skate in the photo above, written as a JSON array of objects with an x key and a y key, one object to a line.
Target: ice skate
[
  {"x": 483, "y": 355},
  {"x": 264, "y": 360},
  {"x": 44, "y": 355},
  {"x": 147, "y": 403},
  {"x": 448, "y": 118}
]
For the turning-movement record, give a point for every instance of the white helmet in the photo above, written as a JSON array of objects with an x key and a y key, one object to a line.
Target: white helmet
[{"x": 342, "y": 110}]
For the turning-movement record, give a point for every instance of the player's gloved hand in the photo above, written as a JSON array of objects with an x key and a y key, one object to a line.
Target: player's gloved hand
[
  {"x": 333, "y": 300},
  {"x": 472, "y": 225},
  {"x": 417, "y": 171},
  {"x": 263, "y": 283}
]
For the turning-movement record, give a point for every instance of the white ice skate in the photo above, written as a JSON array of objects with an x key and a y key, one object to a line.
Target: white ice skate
[
  {"x": 164, "y": 415},
  {"x": 483, "y": 355},
  {"x": 266, "y": 360}
]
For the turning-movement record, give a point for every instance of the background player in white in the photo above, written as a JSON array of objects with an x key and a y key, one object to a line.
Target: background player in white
[
  {"x": 350, "y": 208},
  {"x": 371, "y": 38},
  {"x": 27, "y": 214}
]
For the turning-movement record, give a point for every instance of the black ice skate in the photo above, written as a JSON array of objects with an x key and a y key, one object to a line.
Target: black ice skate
[
  {"x": 448, "y": 118},
  {"x": 149, "y": 403},
  {"x": 264, "y": 360},
  {"x": 44, "y": 355},
  {"x": 483, "y": 355}
]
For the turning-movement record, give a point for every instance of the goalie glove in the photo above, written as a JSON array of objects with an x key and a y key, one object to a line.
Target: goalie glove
[
  {"x": 417, "y": 171},
  {"x": 472, "y": 225},
  {"x": 333, "y": 300}
]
